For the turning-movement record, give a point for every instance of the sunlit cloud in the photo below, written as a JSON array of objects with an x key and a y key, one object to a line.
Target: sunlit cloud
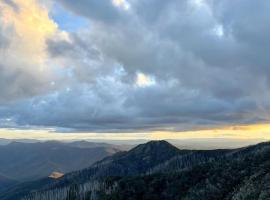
[
  {"x": 32, "y": 27},
  {"x": 143, "y": 80},
  {"x": 25, "y": 57},
  {"x": 121, "y": 3}
]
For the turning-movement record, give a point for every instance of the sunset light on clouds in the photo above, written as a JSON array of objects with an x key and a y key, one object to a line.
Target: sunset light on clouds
[{"x": 127, "y": 69}]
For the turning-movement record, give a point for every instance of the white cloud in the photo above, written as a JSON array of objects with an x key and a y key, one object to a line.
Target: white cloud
[
  {"x": 23, "y": 60},
  {"x": 122, "y": 4},
  {"x": 143, "y": 80},
  {"x": 218, "y": 30}
]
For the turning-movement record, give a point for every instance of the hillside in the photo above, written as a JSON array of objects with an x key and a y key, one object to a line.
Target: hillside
[
  {"x": 158, "y": 170},
  {"x": 29, "y": 161},
  {"x": 5, "y": 182},
  {"x": 143, "y": 159},
  {"x": 240, "y": 175}
]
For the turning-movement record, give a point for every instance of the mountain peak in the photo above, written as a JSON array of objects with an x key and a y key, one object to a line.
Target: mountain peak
[
  {"x": 137, "y": 160},
  {"x": 159, "y": 149},
  {"x": 157, "y": 145}
]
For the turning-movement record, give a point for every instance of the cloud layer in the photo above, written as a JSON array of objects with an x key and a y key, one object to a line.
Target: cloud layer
[{"x": 135, "y": 65}]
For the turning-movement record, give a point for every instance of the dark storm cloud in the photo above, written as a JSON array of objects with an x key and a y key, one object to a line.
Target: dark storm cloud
[
  {"x": 101, "y": 108},
  {"x": 207, "y": 61},
  {"x": 75, "y": 48},
  {"x": 245, "y": 22}
]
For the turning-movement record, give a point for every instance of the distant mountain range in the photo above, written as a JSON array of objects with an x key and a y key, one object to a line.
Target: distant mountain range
[
  {"x": 26, "y": 161},
  {"x": 158, "y": 170},
  {"x": 4, "y": 141}
]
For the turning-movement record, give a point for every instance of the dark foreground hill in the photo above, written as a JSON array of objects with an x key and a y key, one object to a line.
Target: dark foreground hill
[{"x": 158, "y": 170}]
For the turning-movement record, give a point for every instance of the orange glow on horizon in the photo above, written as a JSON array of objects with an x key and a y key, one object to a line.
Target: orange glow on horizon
[{"x": 252, "y": 131}]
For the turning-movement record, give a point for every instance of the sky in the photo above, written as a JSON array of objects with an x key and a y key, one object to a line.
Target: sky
[{"x": 134, "y": 69}]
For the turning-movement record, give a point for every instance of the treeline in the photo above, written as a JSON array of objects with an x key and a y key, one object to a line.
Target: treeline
[{"x": 86, "y": 191}]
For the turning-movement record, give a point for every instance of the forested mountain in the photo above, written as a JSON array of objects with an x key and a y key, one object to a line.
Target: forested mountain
[
  {"x": 28, "y": 161},
  {"x": 241, "y": 174},
  {"x": 158, "y": 170}
]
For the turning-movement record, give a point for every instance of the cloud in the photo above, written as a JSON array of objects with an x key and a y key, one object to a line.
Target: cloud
[
  {"x": 104, "y": 11},
  {"x": 142, "y": 80},
  {"x": 12, "y": 4},
  {"x": 24, "y": 29},
  {"x": 139, "y": 65}
]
